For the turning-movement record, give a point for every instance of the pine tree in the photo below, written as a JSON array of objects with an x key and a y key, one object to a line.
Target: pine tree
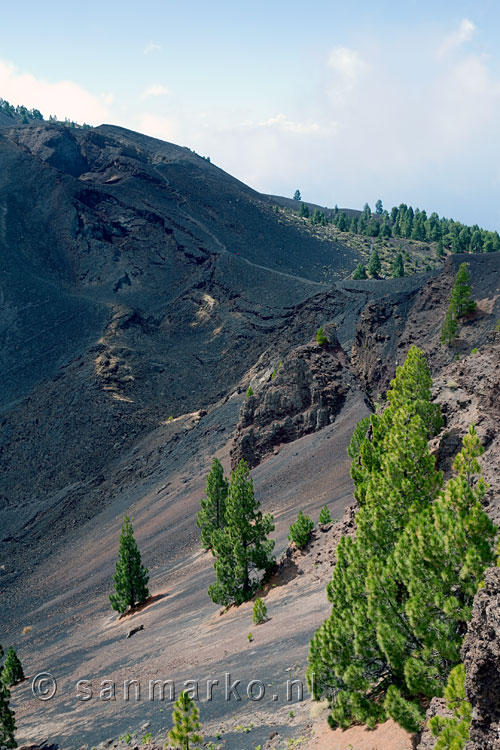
[
  {"x": 131, "y": 577},
  {"x": 297, "y": 196},
  {"x": 449, "y": 331},
  {"x": 325, "y": 517},
  {"x": 398, "y": 269},
  {"x": 304, "y": 210},
  {"x": 241, "y": 548},
  {"x": 185, "y": 733},
  {"x": 259, "y": 614},
  {"x": 301, "y": 530},
  {"x": 452, "y": 732},
  {"x": 379, "y": 207},
  {"x": 461, "y": 303},
  {"x": 12, "y": 669},
  {"x": 374, "y": 266},
  {"x": 402, "y": 589},
  {"x": 212, "y": 513},
  {"x": 7, "y": 720},
  {"x": 360, "y": 272}
]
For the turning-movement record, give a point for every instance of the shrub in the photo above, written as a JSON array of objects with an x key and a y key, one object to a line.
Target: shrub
[
  {"x": 259, "y": 612},
  {"x": 249, "y": 391},
  {"x": 325, "y": 516},
  {"x": 321, "y": 337},
  {"x": 300, "y": 531}
]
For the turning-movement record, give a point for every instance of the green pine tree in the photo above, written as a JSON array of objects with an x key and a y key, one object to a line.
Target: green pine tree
[
  {"x": 12, "y": 672},
  {"x": 461, "y": 301},
  {"x": 259, "y": 614},
  {"x": 212, "y": 513},
  {"x": 325, "y": 517},
  {"x": 301, "y": 530},
  {"x": 360, "y": 272},
  {"x": 131, "y": 577},
  {"x": 402, "y": 589},
  {"x": 185, "y": 733},
  {"x": 7, "y": 720},
  {"x": 304, "y": 210},
  {"x": 241, "y": 548},
  {"x": 297, "y": 196},
  {"x": 449, "y": 331},
  {"x": 398, "y": 269},
  {"x": 452, "y": 733},
  {"x": 375, "y": 265}
]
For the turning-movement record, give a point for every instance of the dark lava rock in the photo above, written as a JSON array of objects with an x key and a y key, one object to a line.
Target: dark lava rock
[
  {"x": 307, "y": 393},
  {"x": 481, "y": 655}
]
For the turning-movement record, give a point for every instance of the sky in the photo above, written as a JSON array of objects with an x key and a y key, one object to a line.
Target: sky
[{"x": 346, "y": 102}]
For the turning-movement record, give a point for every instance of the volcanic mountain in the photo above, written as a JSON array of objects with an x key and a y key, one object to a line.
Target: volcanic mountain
[{"x": 142, "y": 290}]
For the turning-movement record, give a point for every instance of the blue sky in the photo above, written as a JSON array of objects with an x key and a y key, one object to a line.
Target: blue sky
[{"x": 346, "y": 102}]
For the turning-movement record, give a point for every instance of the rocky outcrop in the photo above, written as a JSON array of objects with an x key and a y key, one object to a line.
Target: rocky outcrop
[
  {"x": 437, "y": 707},
  {"x": 481, "y": 655},
  {"x": 388, "y": 327},
  {"x": 307, "y": 392}
]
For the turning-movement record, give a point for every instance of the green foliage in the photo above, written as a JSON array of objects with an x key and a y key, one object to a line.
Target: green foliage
[
  {"x": 12, "y": 672},
  {"x": 321, "y": 337},
  {"x": 7, "y": 720},
  {"x": 449, "y": 331},
  {"x": 131, "y": 577},
  {"x": 250, "y": 637},
  {"x": 453, "y": 732},
  {"x": 325, "y": 516},
  {"x": 304, "y": 211},
  {"x": 185, "y": 733},
  {"x": 398, "y": 269},
  {"x": 358, "y": 437},
  {"x": 259, "y": 614},
  {"x": 249, "y": 391},
  {"x": 374, "y": 266},
  {"x": 147, "y": 738},
  {"x": 213, "y": 506},
  {"x": 360, "y": 272},
  {"x": 379, "y": 207},
  {"x": 461, "y": 303},
  {"x": 301, "y": 530},
  {"x": 402, "y": 589},
  {"x": 241, "y": 548},
  {"x": 297, "y": 196},
  {"x": 475, "y": 350}
]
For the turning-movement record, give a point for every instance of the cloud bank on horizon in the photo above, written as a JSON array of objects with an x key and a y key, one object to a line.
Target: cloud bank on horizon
[{"x": 410, "y": 118}]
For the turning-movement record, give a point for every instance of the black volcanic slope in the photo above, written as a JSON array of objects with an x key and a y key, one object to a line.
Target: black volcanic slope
[
  {"x": 98, "y": 221},
  {"x": 137, "y": 282}
]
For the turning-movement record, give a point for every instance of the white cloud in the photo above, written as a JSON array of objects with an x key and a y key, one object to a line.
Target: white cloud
[
  {"x": 156, "y": 89},
  {"x": 347, "y": 68},
  {"x": 61, "y": 98},
  {"x": 308, "y": 127},
  {"x": 164, "y": 128},
  {"x": 151, "y": 48},
  {"x": 463, "y": 34}
]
